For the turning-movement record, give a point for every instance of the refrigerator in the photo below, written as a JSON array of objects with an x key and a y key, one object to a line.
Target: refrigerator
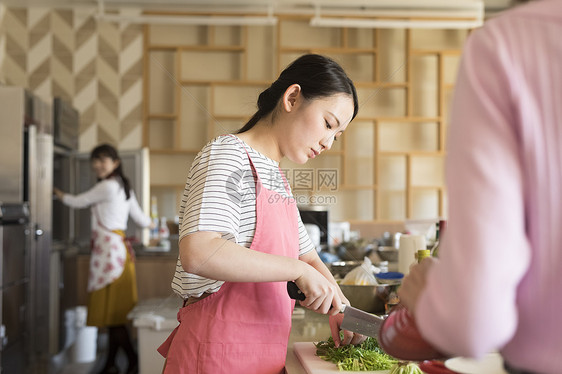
[{"x": 26, "y": 150}]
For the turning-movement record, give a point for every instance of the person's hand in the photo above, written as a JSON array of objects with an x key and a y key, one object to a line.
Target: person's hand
[
  {"x": 348, "y": 336},
  {"x": 321, "y": 295},
  {"x": 414, "y": 283},
  {"x": 58, "y": 193}
]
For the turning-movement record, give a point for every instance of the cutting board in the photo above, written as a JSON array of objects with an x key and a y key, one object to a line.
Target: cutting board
[{"x": 306, "y": 353}]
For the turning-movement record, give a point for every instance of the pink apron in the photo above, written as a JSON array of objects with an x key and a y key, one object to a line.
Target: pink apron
[{"x": 243, "y": 327}]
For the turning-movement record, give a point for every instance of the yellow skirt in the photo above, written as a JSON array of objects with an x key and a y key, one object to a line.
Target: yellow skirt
[{"x": 110, "y": 305}]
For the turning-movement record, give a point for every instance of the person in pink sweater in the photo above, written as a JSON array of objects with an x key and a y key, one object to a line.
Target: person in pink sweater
[{"x": 497, "y": 283}]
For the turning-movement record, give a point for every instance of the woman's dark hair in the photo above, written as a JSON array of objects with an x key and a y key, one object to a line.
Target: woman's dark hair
[
  {"x": 106, "y": 150},
  {"x": 319, "y": 77}
]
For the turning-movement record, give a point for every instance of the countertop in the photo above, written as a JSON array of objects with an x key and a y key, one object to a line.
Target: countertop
[
  {"x": 307, "y": 326},
  {"x": 140, "y": 249}
]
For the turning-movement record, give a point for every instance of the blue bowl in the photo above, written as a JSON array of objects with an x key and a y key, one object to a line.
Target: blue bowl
[{"x": 390, "y": 277}]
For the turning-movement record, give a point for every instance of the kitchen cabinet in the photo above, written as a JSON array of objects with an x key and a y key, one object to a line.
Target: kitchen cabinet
[
  {"x": 154, "y": 276},
  {"x": 203, "y": 81}
]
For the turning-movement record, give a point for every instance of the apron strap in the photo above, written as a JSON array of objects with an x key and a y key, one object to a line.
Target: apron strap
[
  {"x": 285, "y": 182},
  {"x": 254, "y": 171}
]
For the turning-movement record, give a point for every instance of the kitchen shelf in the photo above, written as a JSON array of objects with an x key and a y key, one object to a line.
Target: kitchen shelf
[
  {"x": 234, "y": 83},
  {"x": 387, "y": 158},
  {"x": 453, "y": 52},
  {"x": 335, "y": 50},
  {"x": 212, "y": 48},
  {"x": 380, "y": 84},
  {"x": 407, "y": 119},
  {"x": 352, "y": 187},
  {"x": 162, "y": 116},
  {"x": 411, "y": 153}
]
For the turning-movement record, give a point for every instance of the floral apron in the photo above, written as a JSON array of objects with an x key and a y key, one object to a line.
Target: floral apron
[{"x": 109, "y": 251}]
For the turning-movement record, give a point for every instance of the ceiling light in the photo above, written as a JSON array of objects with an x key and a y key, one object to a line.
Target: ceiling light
[
  {"x": 394, "y": 23},
  {"x": 190, "y": 20}
]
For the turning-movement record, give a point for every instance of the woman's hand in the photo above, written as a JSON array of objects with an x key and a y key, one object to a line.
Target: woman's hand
[
  {"x": 414, "y": 283},
  {"x": 348, "y": 336},
  {"x": 58, "y": 193},
  {"x": 322, "y": 296}
]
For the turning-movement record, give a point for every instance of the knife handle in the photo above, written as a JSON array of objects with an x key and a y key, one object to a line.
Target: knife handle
[{"x": 294, "y": 291}]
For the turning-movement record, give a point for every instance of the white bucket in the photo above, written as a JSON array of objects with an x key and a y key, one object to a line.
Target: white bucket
[{"x": 84, "y": 348}]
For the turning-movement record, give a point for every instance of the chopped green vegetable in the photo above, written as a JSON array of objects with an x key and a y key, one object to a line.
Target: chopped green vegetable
[
  {"x": 366, "y": 356},
  {"x": 406, "y": 368}
]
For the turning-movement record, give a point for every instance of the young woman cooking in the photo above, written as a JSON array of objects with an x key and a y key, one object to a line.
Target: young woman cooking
[
  {"x": 241, "y": 237},
  {"x": 112, "y": 287}
]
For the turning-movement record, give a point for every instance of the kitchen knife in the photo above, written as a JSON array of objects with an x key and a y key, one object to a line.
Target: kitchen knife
[{"x": 354, "y": 319}]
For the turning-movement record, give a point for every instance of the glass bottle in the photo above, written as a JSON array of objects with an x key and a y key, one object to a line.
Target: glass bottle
[
  {"x": 423, "y": 253},
  {"x": 164, "y": 234},
  {"x": 154, "y": 216},
  {"x": 441, "y": 226}
]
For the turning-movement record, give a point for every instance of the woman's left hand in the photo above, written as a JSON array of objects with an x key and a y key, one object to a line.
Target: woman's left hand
[
  {"x": 58, "y": 193},
  {"x": 414, "y": 283},
  {"x": 348, "y": 336}
]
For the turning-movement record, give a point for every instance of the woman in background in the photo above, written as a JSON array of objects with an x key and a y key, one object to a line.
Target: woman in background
[
  {"x": 241, "y": 237},
  {"x": 112, "y": 288}
]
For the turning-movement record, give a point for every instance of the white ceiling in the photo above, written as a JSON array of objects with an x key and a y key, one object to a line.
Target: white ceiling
[{"x": 489, "y": 4}]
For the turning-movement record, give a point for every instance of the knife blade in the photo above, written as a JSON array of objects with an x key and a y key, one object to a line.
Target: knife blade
[{"x": 354, "y": 319}]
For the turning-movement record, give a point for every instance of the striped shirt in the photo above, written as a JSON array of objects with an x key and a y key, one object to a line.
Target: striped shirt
[{"x": 220, "y": 196}]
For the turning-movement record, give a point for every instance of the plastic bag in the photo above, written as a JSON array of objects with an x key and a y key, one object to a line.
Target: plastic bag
[{"x": 363, "y": 275}]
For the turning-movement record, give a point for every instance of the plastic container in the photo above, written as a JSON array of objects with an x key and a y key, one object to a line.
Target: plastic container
[
  {"x": 154, "y": 319},
  {"x": 84, "y": 348},
  {"x": 164, "y": 235}
]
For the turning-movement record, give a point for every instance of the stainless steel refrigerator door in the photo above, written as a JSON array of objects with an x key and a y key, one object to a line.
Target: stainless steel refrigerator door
[
  {"x": 41, "y": 215},
  {"x": 39, "y": 193}
]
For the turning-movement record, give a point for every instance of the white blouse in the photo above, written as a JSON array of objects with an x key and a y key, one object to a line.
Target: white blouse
[{"x": 112, "y": 207}]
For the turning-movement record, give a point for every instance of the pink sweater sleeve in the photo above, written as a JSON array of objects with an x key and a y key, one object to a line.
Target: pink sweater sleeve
[{"x": 468, "y": 307}]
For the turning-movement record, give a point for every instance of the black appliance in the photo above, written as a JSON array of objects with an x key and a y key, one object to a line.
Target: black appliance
[
  {"x": 318, "y": 216},
  {"x": 14, "y": 286},
  {"x": 66, "y": 120}
]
